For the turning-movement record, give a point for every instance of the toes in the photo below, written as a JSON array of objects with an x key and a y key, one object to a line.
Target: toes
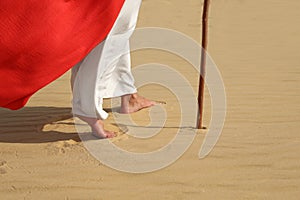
[
  {"x": 110, "y": 135},
  {"x": 151, "y": 103},
  {"x": 154, "y": 103},
  {"x": 105, "y": 135}
]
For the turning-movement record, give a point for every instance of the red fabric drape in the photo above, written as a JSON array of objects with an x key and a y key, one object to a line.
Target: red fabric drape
[{"x": 41, "y": 39}]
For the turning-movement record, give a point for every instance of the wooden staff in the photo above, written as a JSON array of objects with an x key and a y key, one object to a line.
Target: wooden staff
[{"x": 203, "y": 62}]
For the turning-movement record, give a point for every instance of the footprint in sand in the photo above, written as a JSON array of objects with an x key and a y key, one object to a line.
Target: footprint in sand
[
  {"x": 61, "y": 146},
  {"x": 3, "y": 167}
]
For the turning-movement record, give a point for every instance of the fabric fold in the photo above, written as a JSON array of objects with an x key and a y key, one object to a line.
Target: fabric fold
[{"x": 41, "y": 40}]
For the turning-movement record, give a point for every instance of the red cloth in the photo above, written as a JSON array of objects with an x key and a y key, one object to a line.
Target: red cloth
[{"x": 41, "y": 39}]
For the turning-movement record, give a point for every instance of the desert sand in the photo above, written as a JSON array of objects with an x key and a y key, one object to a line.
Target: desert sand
[{"x": 255, "y": 45}]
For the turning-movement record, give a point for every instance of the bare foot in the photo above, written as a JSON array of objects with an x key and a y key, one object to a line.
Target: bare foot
[
  {"x": 131, "y": 103},
  {"x": 97, "y": 127}
]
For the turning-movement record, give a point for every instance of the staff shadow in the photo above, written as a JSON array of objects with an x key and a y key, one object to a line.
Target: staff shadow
[{"x": 26, "y": 125}]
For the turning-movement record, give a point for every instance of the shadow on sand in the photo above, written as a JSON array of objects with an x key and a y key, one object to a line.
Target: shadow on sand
[{"x": 25, "y": 125}]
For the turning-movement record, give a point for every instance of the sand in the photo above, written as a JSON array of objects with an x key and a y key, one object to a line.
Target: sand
[{"x": 255, "y": 45}]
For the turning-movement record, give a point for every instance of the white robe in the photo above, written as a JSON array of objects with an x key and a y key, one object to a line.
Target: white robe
[{"x": 106, "y": 71}]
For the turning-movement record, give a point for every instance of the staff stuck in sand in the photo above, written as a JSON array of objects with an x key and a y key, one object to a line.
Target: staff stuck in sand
[{"x": 203, "y": 63}]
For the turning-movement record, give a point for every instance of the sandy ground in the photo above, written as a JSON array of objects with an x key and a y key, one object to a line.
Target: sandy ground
[{"x": 255, "y": 44}]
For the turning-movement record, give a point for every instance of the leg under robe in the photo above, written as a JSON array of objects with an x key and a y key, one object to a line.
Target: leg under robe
[{"x": 106, "y": 71}]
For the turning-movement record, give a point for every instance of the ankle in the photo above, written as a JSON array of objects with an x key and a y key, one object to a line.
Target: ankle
[
  {"x": 89, "y": 120},
  {"x": 134, "y": 96},
  {"x": 126, "y": 99}
]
